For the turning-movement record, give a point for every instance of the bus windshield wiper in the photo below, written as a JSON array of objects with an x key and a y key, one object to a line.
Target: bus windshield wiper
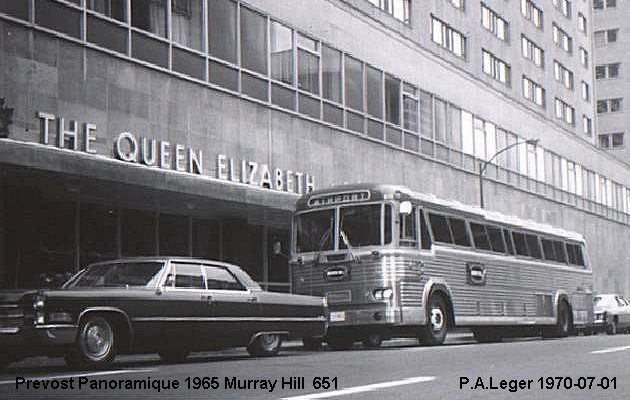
[{"x": 346, "y": 241}]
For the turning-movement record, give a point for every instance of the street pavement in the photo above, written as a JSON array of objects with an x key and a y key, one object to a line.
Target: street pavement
[{"x": 590, "y": 367}]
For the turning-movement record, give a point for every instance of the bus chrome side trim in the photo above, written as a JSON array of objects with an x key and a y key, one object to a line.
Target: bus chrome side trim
[{"x": 470, "y": 321}]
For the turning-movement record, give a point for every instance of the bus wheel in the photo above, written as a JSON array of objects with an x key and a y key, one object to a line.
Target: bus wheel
[
  {"x": 563, "y": 324},
  {"x": 434, "y": 332},
  {"x": 339, "y": 342},
  {"x": 311, "y": 343},
  {"x": 486, "y": 335},
  {"x": 372, "y": 341}
]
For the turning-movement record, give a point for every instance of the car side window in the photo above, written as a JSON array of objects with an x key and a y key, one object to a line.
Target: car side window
[
  {"x": 218, "y": 278},
  {"x": 188, "y": 276}
]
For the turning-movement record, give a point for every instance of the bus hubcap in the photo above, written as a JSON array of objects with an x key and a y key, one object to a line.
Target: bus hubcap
[{"x": 437, "y": 319}]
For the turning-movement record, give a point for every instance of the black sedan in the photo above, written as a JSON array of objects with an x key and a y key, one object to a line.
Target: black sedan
[{"x": 172, "y": 306}]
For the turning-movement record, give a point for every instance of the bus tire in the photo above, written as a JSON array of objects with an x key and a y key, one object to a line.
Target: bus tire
[
  {"x": 372, "y": 341},
  {"x": 339, "y": 342},
  {"x": 486, "y": 335},
  {"x": 563, "y": 323},
  {"x": 311, "y": 343},
  {"x": 434, "y": 332}
]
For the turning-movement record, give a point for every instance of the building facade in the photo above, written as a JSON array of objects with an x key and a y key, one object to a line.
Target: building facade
[
  {"x": 611, "y": 41},
  {"x": 191, "y": 127}
]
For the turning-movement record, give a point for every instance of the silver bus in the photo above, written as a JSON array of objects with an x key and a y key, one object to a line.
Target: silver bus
[{"x": 395, "y": 263}]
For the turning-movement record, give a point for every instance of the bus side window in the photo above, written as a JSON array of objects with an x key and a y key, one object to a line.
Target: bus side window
[
  {"x": 496, "y": 241},
  {"x": 460, "y": 233},
  {"x": 480, "y": 236},
  {"x": 520, "y": 244},
  {"x": 439, "y": 226},
  {"x": 424, "y": 231},
  {"x": 408, "y": 233},
  {"x": 508, "y": 242},
  {"x": 561, "y": 255}
]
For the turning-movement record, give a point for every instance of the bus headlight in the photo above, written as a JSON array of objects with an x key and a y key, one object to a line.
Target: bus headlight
[{"x": 383, "y": 294}]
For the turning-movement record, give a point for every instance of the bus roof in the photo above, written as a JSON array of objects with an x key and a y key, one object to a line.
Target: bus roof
[{"x": 385, "y": 191}]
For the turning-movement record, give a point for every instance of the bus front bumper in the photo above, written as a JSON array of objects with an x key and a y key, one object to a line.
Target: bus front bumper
[{"x": 351, "y": 316}]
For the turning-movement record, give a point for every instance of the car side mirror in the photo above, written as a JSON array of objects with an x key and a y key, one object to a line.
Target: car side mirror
[{"x": 170, "y": 280}]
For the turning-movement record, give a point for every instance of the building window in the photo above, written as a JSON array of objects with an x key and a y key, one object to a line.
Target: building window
[
  {"x": 496, "y": 68},
  {"x": 564, "y": 112},
  {"x": 601, "y": 4},
  {"x": 494, "y": 23},
  {"x": 532, "y": 52},
  {"x": 222, "y": 29},
  {"x": 564, "y": 6},
  {"x": 447, "y": 37},
  {"x": 187, "y": 23},
  {"x": 149, "y": 15},
  {"x": 392, "y": 99},
  {"x": 253, "y": 41},
  {"x": 331, "y": 74},
  {"x": 308, "y": 64},
  {"x": 410, "y": 107},
  {"x": 533, "y": 91},
  {"x": 562, "y": 39},
  {"x": 459, "y": 4},
  {"x": 563, "y": 74},
  {"x": 354, "y": 83},
  {"x": 587, "y": 125},
  {"x": 111, "y": 8},
  {"x": 607, "y": 71},
  {"x": 607, "y": 36},
  {"x": 399, "y": 9},
  {"x": 532, "y": 13},
  {"x": 609, "y": 105},
  {"x": 374, "y": 87},
  {"x": 582, "y": 23},
  {"x": 611, "y": 140},
  {"x": 586, "y": 92},
  {"x": 583, "y": 57},
  {"x": 281, "y": 52}
]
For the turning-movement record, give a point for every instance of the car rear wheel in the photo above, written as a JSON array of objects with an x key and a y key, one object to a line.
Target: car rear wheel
[
  {"x": 173, "y": 355},
  {"x": 265, "y": 345},
  {"x": 312, "y": 344},
  {"x": 434, "y": 332},
  {"x": 95, "y": 346},
  {"x": 373, "y": 341}
]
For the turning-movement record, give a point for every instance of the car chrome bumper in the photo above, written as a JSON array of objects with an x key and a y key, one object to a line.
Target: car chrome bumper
[{"x": 29, "y": 338}]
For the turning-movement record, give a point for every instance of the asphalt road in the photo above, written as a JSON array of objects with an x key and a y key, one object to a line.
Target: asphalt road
[{"x": 593, "y": 367}]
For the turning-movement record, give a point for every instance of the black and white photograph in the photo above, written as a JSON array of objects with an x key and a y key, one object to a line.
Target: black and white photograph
[{"x": 314, "y": 199}]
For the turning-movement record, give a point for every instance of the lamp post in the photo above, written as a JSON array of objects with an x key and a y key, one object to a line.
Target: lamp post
[{"x": 484, "y": 164}]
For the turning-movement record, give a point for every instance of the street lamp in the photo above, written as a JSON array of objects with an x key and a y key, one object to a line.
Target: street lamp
[{"x": 484, "y": 164}]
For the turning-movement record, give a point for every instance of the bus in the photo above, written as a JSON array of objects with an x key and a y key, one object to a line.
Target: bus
[{"x": 392, "y": 262}]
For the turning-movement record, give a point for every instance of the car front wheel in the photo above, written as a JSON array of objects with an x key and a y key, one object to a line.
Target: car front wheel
[
  {"x": 95, "y": 346},
  {"x": 265, "y": 345}
]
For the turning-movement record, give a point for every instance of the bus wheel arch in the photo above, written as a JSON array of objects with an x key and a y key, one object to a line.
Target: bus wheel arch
[{"x": 438, "y": 318}]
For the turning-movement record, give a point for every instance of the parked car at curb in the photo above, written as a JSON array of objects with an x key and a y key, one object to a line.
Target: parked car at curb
[
  {"x": 172, "y": 306},
  {"x": 612, "y": 313}
]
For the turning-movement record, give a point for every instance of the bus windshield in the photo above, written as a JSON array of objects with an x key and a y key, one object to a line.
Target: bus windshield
[
  {"x": 314, "y": 231},
  {"x": 361, "y": 225}
]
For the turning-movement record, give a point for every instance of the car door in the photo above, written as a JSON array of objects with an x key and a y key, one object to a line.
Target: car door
[
  {"x": 185, "y": 304},
  {"x": 232, "y": 308}
]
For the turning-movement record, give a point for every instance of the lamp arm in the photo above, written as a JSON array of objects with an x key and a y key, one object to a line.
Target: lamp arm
[{"x": 503, "y": 150}]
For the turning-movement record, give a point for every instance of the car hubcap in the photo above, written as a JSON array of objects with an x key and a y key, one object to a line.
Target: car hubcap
[
  {"x": 269, "y": 341},
  {"x": 97, "y": 338},
  {"x": 437, "y": 319}
]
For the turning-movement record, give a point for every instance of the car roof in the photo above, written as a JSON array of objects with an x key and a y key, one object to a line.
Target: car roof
[{"x": 166, "y": 259}]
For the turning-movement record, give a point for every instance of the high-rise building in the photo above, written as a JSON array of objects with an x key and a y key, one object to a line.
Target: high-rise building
[
  {"x": 610, "y": 44},
  {"x": 189, "y": 127}
]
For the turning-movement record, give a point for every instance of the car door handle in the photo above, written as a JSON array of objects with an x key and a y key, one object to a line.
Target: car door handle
[{"x": 207, "y": 298}]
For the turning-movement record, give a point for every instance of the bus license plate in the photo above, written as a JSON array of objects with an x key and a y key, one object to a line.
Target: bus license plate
[{"x": 338, "y": 316}]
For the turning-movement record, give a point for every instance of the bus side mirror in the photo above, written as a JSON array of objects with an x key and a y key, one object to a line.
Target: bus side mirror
[
  {"x": 406, "y": 207},
  {"x": 277, "y": 248}
]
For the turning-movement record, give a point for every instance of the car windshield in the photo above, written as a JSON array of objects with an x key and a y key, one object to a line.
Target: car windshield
[
  {"x": 120, "y": 274},
  {"x": 360, "y": 225},
  {"x": 314, "y": 231},
  {"x": 602, "y": 301}
]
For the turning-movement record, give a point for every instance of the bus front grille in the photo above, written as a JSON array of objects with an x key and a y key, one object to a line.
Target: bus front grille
[{"x": 340, "y": 297}]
